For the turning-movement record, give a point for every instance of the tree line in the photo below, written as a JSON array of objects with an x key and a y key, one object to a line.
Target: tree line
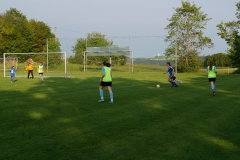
[
  {"x": 185, "y": 38},
  {"x": 20, "y": 35}
]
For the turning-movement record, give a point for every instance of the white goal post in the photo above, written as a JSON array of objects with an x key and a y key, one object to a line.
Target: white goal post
[
  {"x": 64, "y": 58},
  {"x": 108, "y": 51}
]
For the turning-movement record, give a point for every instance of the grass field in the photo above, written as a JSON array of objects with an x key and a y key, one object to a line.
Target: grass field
[{"x": 61, "y": 118}]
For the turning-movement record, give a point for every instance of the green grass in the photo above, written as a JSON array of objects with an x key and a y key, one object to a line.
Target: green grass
[{"x": 61, "y": 118}]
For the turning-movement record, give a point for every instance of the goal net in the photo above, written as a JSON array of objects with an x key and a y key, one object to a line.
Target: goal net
[
  {"x": 55, "y": 64},
  {"x": 110, "y": 52}
]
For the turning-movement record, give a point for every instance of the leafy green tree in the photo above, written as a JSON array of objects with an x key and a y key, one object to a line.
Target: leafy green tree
[
  {"x": 41, "y": 33},
  {"x": 94, "y": 39},
  {"x": 21, "y": 39},
  {"x": 5, "y": 30},
  {"x": 186, "y": 31},
  {"x": 230, "y": 32},
  {"x": 219, "y": 59},
  {"x": 18, "y": 35},
  {"x": 42, "y": 36}
]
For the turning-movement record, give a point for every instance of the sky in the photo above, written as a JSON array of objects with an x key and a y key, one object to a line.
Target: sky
[{"x": 138, "y": 24}]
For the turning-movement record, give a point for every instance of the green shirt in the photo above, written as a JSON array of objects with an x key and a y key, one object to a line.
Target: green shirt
[
  {"x": 107, "y": 72},
  {"x": 211, "y": 73},
  {"x": 40, "y": 69}
]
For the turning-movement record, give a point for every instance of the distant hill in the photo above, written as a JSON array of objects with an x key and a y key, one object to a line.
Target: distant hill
[{"x": 161, "y": 60}]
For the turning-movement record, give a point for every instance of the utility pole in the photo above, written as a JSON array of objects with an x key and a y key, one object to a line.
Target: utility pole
[
  {"x": 55, "y": 31},
  {"x": 176, "y": 48}
]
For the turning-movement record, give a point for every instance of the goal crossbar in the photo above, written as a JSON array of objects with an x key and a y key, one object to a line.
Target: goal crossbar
[{"x": 46, "y": 53}]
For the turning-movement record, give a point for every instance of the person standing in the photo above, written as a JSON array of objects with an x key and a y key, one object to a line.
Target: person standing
[
  {"x": 106, "y": 80},
  {"x": 30, "y": 70},
  {"x": 40, "y": 71},
  {"x": 212, "y": 74},
  {"x": 12, "y": 74},
  {"x": 171, "y": 75}
]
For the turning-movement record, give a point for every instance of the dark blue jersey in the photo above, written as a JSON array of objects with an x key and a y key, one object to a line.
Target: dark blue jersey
[{"x": 170, "y": 71}]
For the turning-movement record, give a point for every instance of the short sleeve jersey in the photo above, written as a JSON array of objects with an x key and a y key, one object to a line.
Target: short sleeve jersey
[
  {"x": 12, "y": 72},
  {"x": 211, "y": 73}
]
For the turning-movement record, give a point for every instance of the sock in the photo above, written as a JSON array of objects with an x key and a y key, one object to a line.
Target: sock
[
  {"x": 175, "y": 83},
  {"x": 212, "y": 86},
  {"x": 111, "y": 96},
  {"x": 101, "y": 95},
  {"x": 171, "y": 82}
]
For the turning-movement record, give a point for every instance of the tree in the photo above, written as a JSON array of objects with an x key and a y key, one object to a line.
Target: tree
[
  {"x": 41, "y": 33},
  {"x": 230, "y": 32},
  {"x": 5, "y": 30},
  {"x": 219, "y": 59},
  {"x": 42, "y": 36},
  {"x": 185, "y": 32},
  {"x": 18, "y": 35},
  {"x": 94, "y": 39},
  {"x": 21, "y": 37}
]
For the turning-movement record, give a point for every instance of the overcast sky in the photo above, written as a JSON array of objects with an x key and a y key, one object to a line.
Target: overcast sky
[{"x": 121, "y": 18}]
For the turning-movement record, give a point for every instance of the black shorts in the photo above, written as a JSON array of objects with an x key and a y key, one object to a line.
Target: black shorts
[
  {"x": 211, "y": 79},
  {"x": 106, "y": 84}
]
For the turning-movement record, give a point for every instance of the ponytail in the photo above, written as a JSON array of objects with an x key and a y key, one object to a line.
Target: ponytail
[{"x": 210, "y": 67}]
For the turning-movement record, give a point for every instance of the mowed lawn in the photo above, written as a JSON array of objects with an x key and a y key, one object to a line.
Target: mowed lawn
[{"x": 61, "y": 118}]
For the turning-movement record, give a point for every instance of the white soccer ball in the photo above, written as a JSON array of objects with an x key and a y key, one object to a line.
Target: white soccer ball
[{"x": 158, "y": 86}]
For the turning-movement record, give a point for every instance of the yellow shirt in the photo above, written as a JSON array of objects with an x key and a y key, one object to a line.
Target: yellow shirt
[{"x": 30, "y": 67}]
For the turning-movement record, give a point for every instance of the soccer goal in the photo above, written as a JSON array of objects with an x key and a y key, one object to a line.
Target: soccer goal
[
  {"x": 9, "y": 61},
  {"x": 108, "y": 51},
  {"x": 55, "y": 64}
]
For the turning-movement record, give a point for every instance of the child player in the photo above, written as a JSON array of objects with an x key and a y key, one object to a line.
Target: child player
[
  {"x": 171, "y": 75},
  {"x": 212, "y": 74},
  {"x": 29, "y": 68},
  {"x": 40, "y": 71},
  {"x": 106, "y": 80},
  {"x": 12, "y": 73}
]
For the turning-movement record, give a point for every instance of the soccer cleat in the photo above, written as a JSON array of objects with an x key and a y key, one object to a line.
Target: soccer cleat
[
  {"x": 100, "y": 101},
  {"x": 213, "y": 93}
]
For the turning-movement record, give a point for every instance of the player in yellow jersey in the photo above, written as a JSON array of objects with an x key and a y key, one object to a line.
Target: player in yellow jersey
[
  {"x": 29, "y": 68},
  {"x": 212, "y": 74},
  {"x": 106, "y": 80}
]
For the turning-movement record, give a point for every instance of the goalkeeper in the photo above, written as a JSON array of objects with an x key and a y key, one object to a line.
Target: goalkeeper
[{"x": 29, "y": 68}]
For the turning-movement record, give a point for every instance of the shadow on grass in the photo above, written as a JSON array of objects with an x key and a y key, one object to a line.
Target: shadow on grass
[{"x": 61, "y": 119}]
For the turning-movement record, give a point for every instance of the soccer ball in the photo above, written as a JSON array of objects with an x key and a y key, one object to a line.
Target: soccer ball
[{"x": 158, "y": 86}]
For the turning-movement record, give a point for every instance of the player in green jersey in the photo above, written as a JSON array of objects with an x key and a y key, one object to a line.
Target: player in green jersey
[
  {"x": 106, "y": 80},
  {"x": 212, "y": 74},
  {"x": 40, "y": 71}
]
